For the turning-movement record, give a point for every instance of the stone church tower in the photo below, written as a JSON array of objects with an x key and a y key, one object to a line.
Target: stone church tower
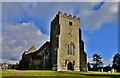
[
  {"x": 66, "y": 44},
  {"x": 65, "y": 51}
]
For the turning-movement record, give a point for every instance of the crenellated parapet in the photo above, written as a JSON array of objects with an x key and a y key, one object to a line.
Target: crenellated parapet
[{"x": 69, "y": 16}]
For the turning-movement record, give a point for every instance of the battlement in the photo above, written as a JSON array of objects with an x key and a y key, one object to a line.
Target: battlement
[{"x": 69, "y": 16}]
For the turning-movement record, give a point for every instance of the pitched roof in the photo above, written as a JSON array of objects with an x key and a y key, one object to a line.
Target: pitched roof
[{"x": 31, "y": 50}]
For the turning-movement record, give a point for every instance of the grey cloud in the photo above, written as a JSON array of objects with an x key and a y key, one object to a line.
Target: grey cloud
[
  {"x": 90, "y": 20},
  {"x": 8, "y": 61},
  {"x": 93, "y": 20},
  {"x": 20, "y": 37}
]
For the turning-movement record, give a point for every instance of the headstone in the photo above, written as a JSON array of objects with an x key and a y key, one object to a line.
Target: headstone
[
  {"x": 101, "y": 70},
  {"x": 108, "y": 71},
  {"x": 98, "y": 70},
  {"x": 112, "y": 71}
]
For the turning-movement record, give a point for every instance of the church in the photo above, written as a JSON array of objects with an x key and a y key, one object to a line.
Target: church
[{"x": 65, "y": 51}]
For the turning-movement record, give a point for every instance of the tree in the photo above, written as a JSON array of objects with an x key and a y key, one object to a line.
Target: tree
[
  {"x": 116, "y": 62},
  {"x": 107, "y": 68},
  {"x": 98, "y": 63}
]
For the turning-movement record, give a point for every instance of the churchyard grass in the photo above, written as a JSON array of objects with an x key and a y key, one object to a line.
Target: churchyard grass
[
  {"x": 60, "y": 74},
  {"x": 70, "y": 74},
  {"x": 6, "y": 73}
]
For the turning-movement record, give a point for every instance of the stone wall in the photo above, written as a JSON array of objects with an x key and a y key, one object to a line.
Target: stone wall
[
  {"x": 68, "y": 33},
  {"x": 54, "y": 39},
  {"x": 61, "y": 34},
  {"x": 40, "y": 59},
  {"x": 83, "y": 57}
]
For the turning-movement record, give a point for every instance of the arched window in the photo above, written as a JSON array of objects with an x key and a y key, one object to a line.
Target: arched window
[{"x": 70, "y": 48}]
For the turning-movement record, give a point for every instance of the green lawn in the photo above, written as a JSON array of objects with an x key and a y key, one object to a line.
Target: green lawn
[
  {"x": 60, "y": 74},
  {"x": 71, "y": 74},
  {"x": 8, "y": 73}
]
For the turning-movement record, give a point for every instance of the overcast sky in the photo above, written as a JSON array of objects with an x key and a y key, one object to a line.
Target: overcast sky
[{"x": 25, "y": 24}]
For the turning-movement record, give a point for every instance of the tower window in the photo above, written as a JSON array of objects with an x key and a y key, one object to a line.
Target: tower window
[
  {"x": 70, "y": 23},
  {"x": 70, "y": 49}
]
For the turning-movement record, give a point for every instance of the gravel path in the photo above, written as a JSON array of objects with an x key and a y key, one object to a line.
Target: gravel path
[{"x": 18, "y": 74}]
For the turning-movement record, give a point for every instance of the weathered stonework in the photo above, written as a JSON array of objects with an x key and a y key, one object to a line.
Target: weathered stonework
[
  {"x": 65, "y": 51},
  {"x": 38, "y": 59},
  {"x": 63, "y": 33}
]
